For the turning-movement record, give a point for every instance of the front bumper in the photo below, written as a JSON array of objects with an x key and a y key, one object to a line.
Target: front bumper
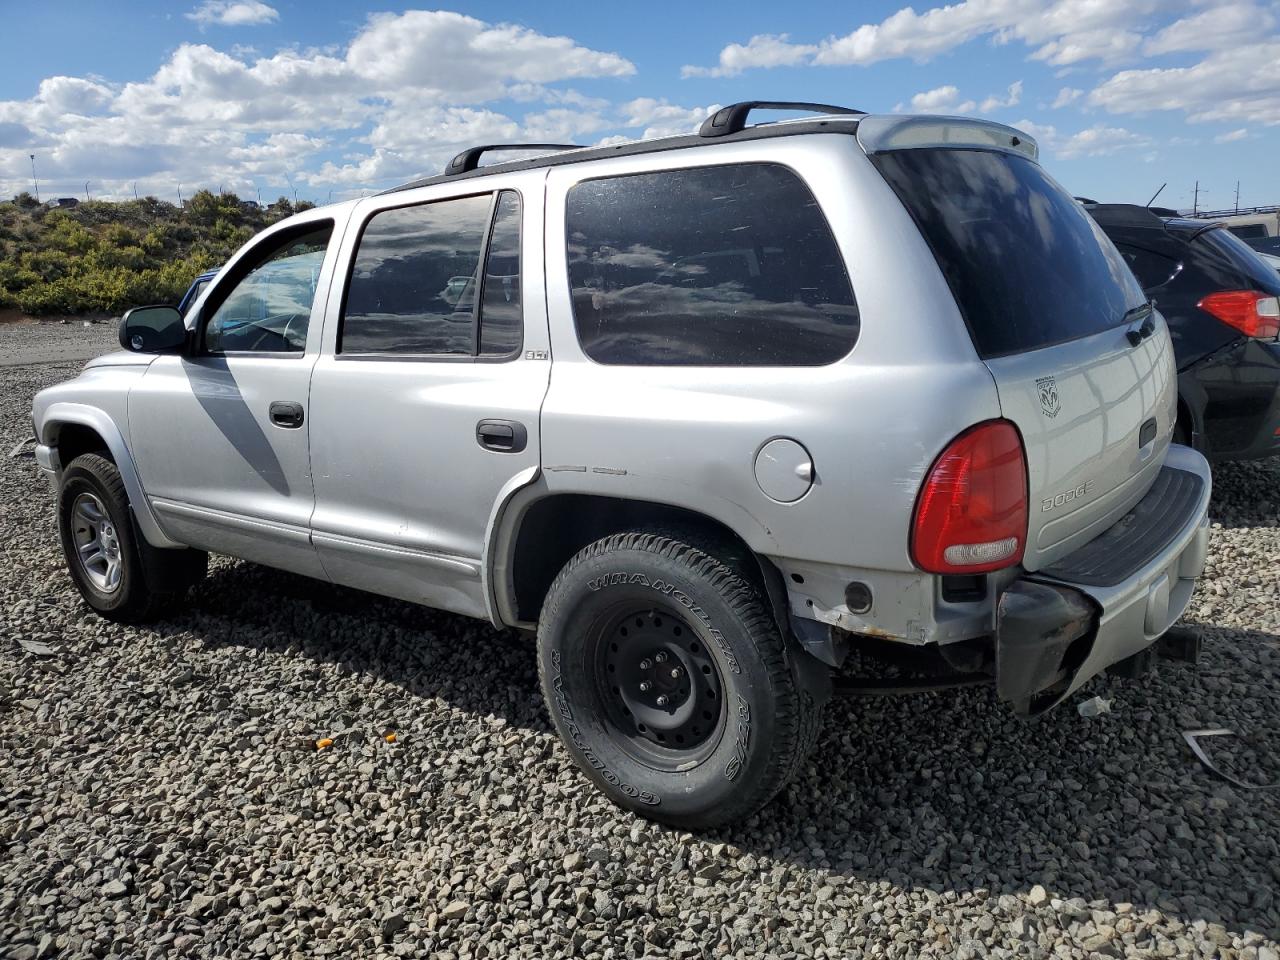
[{"x": 1112, "y": 598}]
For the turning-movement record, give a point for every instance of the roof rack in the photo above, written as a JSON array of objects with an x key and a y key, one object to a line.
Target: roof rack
[
  {"x": 733, "y": 118},
  {"x": 469, "y": 159}
]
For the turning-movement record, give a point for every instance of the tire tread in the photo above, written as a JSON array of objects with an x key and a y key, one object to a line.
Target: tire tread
[{"x": 796, "y": 715}]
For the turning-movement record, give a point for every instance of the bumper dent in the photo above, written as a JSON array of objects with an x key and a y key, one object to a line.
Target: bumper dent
[
  {"x": 1053, "y": 633},
  {"x": 1037, "y": 626}
]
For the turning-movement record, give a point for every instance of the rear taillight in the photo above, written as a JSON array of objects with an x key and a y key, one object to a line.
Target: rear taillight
[
  {"x": 1253, "y": 314},
  {"x": 971, "y": 515}
]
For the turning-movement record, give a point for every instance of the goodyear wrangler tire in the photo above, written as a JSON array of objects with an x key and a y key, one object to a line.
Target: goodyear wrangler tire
[{"x": 669, "y": 683}]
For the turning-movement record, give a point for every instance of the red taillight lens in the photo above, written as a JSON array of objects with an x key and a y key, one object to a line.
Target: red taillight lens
[
  {"x": 971, "y": 515},
  {"x": 1253, "y": 314}
]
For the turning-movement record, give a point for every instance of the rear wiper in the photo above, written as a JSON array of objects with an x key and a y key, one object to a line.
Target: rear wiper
[{"x": 1144, "y": 312}]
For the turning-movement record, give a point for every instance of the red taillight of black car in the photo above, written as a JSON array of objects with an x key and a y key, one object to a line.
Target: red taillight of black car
[{"x": 1254, "y": 314}]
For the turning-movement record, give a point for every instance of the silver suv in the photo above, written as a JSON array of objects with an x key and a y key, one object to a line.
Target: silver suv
[{"x": 705, "y": 413}]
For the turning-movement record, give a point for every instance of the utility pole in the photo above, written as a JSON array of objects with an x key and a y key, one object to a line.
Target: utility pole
[
  {"x": 293, "y": 188},
  {"x": 34, "y": 181},
  {"x": 1237, "y": 196},
  {"x": 86, "y": 192},
  {"x": 135, "y": 190},
  {"x": 179, "y": 195},
  {"x": 1195, "y": 200}
]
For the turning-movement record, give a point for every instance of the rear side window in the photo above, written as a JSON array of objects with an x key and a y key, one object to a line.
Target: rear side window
[
  {"x": 1224, "y": 246},
  {"x": 1251, "y": 231},
  {"x": 714, "y": 266},
  {"x": 1027, "y": 266},
  {"x": 417, "y": 288},
  {"x": 1152, "y": 269}
]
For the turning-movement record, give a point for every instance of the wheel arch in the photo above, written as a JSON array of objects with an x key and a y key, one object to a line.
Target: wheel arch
[
  {"x": 90, "y": 430},
  {"x": 541, "y": 530}
]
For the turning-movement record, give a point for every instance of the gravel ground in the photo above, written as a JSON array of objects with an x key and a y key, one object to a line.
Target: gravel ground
[
  {"x": 161, "y": 794},
  {"x": 40, "y": 343}
]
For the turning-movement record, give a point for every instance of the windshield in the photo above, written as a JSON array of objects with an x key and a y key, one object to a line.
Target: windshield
[
  {"x": 1027, "y": 266},
  {"x": 193, "y": 295}
]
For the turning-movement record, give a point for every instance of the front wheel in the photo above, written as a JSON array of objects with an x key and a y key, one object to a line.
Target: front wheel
[
  {"x": 669, "y": 682},
  {"x": 119, "y": 574}
]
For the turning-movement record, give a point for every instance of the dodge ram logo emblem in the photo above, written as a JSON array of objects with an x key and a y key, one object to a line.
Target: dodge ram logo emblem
[{"x": 1047, "y": 387}]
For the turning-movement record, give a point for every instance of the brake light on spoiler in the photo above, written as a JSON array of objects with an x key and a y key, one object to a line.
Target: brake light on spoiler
[{"x": 971, "y": 514}]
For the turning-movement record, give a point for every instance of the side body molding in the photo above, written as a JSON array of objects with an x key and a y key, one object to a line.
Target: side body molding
[{"x": 84, "y": 415}]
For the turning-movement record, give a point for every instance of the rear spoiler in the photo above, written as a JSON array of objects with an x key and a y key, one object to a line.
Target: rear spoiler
[{"x": 880, "y": 133}]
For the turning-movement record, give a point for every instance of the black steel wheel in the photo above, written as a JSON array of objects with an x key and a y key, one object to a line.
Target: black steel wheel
[
  {"x": 669, "y": 681},
  {"x": 658, "y": 685}
]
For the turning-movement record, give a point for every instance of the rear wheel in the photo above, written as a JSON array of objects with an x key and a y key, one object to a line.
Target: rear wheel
[
  {"x": 669, "y": 683},
  {"x": 118, "y": 573}
]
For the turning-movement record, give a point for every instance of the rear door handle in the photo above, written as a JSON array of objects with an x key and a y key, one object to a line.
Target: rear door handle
[
  {"x": 285, "y": 413},
  {"x": 503, "y": 436}
]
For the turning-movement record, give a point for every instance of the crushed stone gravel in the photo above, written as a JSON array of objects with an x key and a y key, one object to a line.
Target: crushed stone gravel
[{"x": 161, "y": 793}]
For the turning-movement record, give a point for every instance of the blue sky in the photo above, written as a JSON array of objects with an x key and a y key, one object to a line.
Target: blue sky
[{"x": 342, "y": 98}]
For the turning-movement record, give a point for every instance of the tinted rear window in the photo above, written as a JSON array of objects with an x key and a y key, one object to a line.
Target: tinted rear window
[
  {"x": 1255, "y": 273},
  {"x": 1028, "y": 267},
  {"x": 712, "y": 266}
]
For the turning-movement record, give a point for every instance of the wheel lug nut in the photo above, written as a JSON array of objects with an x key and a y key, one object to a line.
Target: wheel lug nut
[
  {"x": 662, "y": 700},
  {"x": 646, "y": 664},
  {"x": 644, "y": 686},
  {"x": 675, "y": 673},
  {"x": 661, "y": 656}
]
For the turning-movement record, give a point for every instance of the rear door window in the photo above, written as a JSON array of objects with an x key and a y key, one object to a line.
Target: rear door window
[
  {"x": 1027, "y": 266},
  {"x": 713, "y": 266},
  {"x": 417, "y": 288}
]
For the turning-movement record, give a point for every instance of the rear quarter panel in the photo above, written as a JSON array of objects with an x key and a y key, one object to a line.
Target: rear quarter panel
[{"x": 872, "y": 422}]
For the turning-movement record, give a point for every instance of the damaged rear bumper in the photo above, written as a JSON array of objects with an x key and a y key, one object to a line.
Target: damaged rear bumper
[{"x": 1109, "y": 600}]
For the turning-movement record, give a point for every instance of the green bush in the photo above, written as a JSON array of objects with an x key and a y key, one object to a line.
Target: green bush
[{"x": 107, "y": 257}]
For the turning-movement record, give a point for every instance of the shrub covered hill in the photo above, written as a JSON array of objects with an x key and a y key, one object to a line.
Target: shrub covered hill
[{"x": 105, "y": 257}]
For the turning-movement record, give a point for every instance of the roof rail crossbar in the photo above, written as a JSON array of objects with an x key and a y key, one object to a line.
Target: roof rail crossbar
[
  {"x": 469, "y": 159},
  {"x": 733, "y": 118}
]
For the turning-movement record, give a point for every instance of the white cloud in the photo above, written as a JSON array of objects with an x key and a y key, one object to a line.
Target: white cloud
[
  {"x": 762, "y": 50},
  {"x": 1012, "y": 99},
  {"x": 233, "y": 13},
  {"x": 406, "y": 93},
  {"x": 662, "y": 119},
  {"x": 1238, "y": 83},
  {"x": 1063, "y": 32},
  {"x": 462, "y": 57},
  {"x": 944, "y": 100},
  {"x": 1213, "y": 29},
  {"x": 1097, "y": 140},
  {"x": 1106, "y": 45},
  {"x": 1066, "y": 96},
  {"x": 1233, "y": 136}
]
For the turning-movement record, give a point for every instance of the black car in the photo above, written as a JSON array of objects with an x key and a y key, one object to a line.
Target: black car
[{"x": 1222, "y": 304}]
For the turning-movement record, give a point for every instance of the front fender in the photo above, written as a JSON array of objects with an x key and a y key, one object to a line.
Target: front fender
[{"x": 65, "y": 412}]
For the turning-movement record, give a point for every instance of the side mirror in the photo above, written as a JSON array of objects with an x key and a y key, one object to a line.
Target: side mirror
[{"x": 153, "y": 330}]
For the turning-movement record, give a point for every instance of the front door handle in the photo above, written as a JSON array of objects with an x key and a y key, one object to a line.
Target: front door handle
[
  {"x": 286, "y": 413},
  {"x": 503, "y": 436}
]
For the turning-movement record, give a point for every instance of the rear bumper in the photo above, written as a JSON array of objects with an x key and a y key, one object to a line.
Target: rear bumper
[{"x": 1058, "y": 627}]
